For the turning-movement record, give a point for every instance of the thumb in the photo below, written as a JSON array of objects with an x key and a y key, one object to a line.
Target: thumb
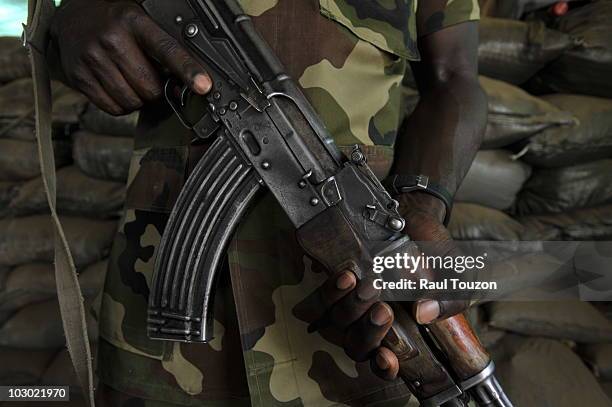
[{"x": 428, "y": 311}]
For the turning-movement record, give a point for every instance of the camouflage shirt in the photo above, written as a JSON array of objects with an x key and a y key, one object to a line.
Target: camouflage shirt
[{"x": 349, "y": 56}]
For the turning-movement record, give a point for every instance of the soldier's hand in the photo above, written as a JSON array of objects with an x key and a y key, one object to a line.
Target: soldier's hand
[
  {"x": 109, "y": 51},
  {"x": 355, "y": 317},
  {"x": 350, "y": 314}
]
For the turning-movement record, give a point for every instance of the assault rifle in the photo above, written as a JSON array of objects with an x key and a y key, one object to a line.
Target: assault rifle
[{"x": 264, "y": 135}]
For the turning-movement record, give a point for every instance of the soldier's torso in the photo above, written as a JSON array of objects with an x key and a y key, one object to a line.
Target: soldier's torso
[{"x": 349, "y": 56}]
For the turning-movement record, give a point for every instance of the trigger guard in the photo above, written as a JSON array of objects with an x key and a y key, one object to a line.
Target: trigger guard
[{"x": 177, "y": 106}]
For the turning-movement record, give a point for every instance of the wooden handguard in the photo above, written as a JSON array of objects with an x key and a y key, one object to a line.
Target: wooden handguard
[{"x": 466, "y": 355}]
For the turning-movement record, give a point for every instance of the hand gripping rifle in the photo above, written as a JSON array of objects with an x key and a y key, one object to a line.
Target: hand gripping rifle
[{"x": 265, "y": 134}]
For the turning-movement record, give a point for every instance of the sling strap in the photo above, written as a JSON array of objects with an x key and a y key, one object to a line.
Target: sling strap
[{"x": 36, "y": 37}]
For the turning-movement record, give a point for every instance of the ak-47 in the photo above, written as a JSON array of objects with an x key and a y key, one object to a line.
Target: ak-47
[{"x": 265, "y": 135}]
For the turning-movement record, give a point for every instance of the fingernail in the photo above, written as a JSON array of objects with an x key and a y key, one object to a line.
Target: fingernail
[
  {"x": 427, "y": 311},
  {"x": 382, "y": 362},
  {"x": 380, "y": 315},
  {"x": 202, "y": 84},
  {"x": 345, "y": 281}
]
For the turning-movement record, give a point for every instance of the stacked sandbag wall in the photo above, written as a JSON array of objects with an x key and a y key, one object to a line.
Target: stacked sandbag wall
[
  {"x": 544, "y": 172},
  {"x": 92, "y": 153}
]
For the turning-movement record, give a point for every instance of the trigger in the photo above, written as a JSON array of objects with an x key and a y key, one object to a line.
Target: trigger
[{"x": 185, "y": 92}]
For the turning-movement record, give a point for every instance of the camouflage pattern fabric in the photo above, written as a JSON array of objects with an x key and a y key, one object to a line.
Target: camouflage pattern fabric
[{"x": 349, "y": 56}]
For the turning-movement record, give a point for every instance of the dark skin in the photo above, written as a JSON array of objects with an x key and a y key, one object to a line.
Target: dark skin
[
  {"x": 114, "y": 56},
  {"x": 443, "y": 149}
]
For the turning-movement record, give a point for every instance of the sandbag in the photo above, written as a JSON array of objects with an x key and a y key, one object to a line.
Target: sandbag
[
  {"x": 589, "y": 139},
  {"x": 39, "y": 326},
  {"x": 77, "y": 194},
  {"x": 98, "y": 121},
  {"x": 17, "y": 101},
  {"x": 513, "y": 9},
  {"x": 584, "y": 69},
  {"x": 8, "y": 191},
  {"x": 514, "y": 51},
  {"x": 554, "y": 190},
  {"x": 493, "y": 180},
  {"x": 513, "y": 114},
  {"x": 607, "y": 388},
  {"x": 92, "y": 278},
  {"x": 30, "y": 239},
  {"x": 35, "y": 282},
  {"x": 24, "y": 367},
  {"x": 475, "y": 222},
  {"x": 19, "y": 159},
  {"x": 599, "y": 358},
  {"x": 27, "y": 284},
  {"x": 580, "y": 224},
  {"x": 102, "y": 156},
  {"x": 573, "y": 320},
  {"x": 60, "y": 370},
  {"x": 539, "y": 372},
  {"x": 14, "y": 61}
]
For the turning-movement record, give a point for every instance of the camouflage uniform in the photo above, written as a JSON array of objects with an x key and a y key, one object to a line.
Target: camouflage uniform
[{"x": 349, "y": 56}]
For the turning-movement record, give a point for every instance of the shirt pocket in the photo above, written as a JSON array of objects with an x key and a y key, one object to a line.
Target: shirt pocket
[{"x": 389, "y": 25}]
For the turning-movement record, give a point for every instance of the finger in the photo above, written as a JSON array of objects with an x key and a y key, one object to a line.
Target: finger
[
  {"x": 385, "y": 364},
  {"x": 135, "y": 67},
  {"x": 354, "y": 305},
  {"x": 316, "y": 305},
  {"x": 428, "y": 311},
  {"x": 84, "y": 80},
  {"x": 172, "y": 55},
  {"x": 365, "y": 336},
  {"x": 111, "y": 78}
]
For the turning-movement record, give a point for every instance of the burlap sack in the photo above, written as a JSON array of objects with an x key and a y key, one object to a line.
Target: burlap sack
[
  {"x": 546, "y": 373},
  {"x": 599, "y": 358},
  {"x": 24, "y": 367},
  {"x": 513, "y": 114},
  {"x": 30, "y": 239},
  {"x": 514, "y": 9},
  {"x": 573, "y": 320},
  {"x": 587, "y": 140},
  {"x": 554, "y": 190},
  {"x": 514, "y": 51},
  {"x": 493, "y": 180},
  {"x": 19, "y": 159},
  {"x": 77, "y": 194},
  {"x": 584, "y": 69},
  {"x": 98, "y": 121},
  {"x": 475, "y": 222},
  {"x": 102, "y": 156},
  {"x": 17, "y": 101},
  {"x": 8, "y": 191},
  {"x": 39, "y": 326},
  {"x": 60, "y": 370},
  {"x": 35, "y": 282},
  {"x": 579, "y": 224},
  {"x": 25, "y": 285},
  {"x": 14, "y": 61}
]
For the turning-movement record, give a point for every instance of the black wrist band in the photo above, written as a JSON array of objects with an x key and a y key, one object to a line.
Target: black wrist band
[{"x": 400, "y": 184}]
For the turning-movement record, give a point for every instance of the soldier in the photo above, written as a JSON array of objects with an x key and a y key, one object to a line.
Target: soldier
[{"x": 350, "y": 57}]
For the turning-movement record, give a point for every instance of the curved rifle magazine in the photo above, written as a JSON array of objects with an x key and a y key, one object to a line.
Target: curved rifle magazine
[{"x": 220, "y": 190}]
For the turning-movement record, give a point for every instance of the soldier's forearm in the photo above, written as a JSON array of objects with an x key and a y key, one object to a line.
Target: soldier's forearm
[
  {"x": 443, "y": 134},
  {"x": 441, "y": 137}
]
